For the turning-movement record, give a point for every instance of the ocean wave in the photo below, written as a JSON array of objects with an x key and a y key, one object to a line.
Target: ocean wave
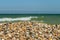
[{"x": 18, "y": 18}]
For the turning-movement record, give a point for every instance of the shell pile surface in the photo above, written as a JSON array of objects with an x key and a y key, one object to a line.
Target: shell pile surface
[{"x": 29, "y": 31}]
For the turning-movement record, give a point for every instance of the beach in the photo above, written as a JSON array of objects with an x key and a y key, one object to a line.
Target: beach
[
  {"x": 29, "y": 19},
  {"x": 29, "y": 30}
]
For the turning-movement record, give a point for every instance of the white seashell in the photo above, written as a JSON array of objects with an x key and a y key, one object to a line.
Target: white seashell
[
  {"x": 58, "y": 30},
  {"x": 14, "y": 38},
  {"x": 17, "y": 39},
  {"x": 2, "y": 39},
  {"x": 9, "y": 35},
  {"x": 36, "y": 34},
  {"x": 1, "y": 32},
  {"x": 50, "y": 35},
  {"x": 40, "y": 32},
  {"x": 1, "y": 24}
]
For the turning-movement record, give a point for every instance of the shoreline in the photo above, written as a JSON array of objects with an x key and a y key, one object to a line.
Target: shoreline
[{"x": 5, "y": 22}]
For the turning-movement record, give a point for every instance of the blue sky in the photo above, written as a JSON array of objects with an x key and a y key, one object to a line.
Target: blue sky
[{"x": 18, "y": 6}]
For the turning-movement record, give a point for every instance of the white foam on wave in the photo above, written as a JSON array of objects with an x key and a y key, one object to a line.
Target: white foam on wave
[{"x": 16, "y": 19}]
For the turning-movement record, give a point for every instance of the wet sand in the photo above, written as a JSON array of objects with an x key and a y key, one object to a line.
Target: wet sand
[{"x": 27, "y": 30}]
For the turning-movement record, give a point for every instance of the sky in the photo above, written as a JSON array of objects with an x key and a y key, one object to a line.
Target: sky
[{"x": 29, "y": 6}]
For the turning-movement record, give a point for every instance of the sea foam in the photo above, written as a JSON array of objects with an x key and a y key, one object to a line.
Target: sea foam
[{"x": 18, "y": 18}]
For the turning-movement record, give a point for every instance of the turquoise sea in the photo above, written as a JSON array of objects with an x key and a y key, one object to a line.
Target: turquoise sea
[{"x": 46, "y": 18}]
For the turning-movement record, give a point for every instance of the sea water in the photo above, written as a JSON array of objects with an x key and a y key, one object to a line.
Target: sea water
[{"x": 46, "y": 18}]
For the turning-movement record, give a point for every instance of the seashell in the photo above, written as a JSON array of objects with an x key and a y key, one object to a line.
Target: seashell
[
  {"x": 34, "y": 30},
  {"x": 58, "y": 31},
  {"x": 2, "y": 39},
  {"x": 1, "y": 32},
  {"x": 9, "y": 35}
]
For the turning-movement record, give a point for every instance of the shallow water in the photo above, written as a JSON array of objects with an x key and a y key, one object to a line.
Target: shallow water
[{"x": 47, "y": 18}]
